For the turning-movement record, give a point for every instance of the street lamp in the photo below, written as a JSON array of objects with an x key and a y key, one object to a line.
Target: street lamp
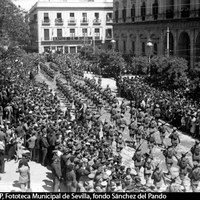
[{"x": 150, "y": 46}]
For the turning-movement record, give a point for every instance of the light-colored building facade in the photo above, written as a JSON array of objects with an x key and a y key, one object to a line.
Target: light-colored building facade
[
  {"x": 68, "y": 25},
  {"x": 137, "y": 21}
]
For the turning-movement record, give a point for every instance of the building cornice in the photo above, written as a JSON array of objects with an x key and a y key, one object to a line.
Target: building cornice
[{"x": 69, "y": 6}]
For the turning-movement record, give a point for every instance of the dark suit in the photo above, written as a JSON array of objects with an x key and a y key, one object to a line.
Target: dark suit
[
  {"x": 70, "y": 181},
  {"x": 44, "y": 146}
]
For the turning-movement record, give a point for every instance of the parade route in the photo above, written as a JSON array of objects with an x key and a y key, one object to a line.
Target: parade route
[{"x": 41, "y": 180}]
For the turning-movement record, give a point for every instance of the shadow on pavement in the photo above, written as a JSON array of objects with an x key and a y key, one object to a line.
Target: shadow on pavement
[
  {"x": 48, "y": 185},
  {"x": 16, "y": 184}
]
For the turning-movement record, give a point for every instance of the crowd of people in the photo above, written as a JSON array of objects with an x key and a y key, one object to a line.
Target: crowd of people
[
  {"x": 86, "y": 154},
  {"x": 174, "y": 106}
]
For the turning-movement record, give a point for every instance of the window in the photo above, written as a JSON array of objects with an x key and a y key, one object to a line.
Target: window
[
  {"x": 116, "y": 16},
  {"x": 35, "y": 17},
  {"x": 133, "y": 13},
  {"x": 124, "y": 46},
  {"x": 124, "y": 14},
  {"x": 155, "y": 10},
  {"x": 59, "y": 49},
  {"x": 46, "y": 34},
  {"x": 109, "y": 17},
  {"x": 143, "y": 11},
  {"x": 59, "y": 15},
  {"x": 143, "y": 48},
  {"x": 84, "y": 17},
  {"x": 117, "y": 45},
  {"x": 133, "y": 47},
  {"x": 96, "y": 30},
  {"x": 59, "y": 32},
  {"x": 72, "y": 32},
  {"x": 108, "y": 33},
  {"x": 84, "y": 31},
  {"x": 155, "y": 48},
  {"x": 46, "y": 17},
  {"x": 47, "y": 49},
  {"x": 71, "y": 15},
  {"x": 96, "y": 15},
  {"x": 66, "y": 49}
]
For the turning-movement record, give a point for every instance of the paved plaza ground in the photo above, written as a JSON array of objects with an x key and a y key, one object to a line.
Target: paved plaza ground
[{"x": 41, "y": 177}]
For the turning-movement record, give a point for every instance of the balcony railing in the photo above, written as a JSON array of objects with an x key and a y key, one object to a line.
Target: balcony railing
[
  {"x": 46, "y": 22},
  {"x": 72, "y": 38},
  {"x": 108, "y": 36},
  {"x": 84, "y": 22},
  {"x": 97, "y": 37},
  {"x": 58, "y": 21},
  {"x": 71, "y": 22},
  {"x": 96, "y": 21},
  {"x": 109, "y": 21}
]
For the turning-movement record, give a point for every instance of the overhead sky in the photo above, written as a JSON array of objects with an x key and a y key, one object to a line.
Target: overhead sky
[{"x": 25, "y": 4}]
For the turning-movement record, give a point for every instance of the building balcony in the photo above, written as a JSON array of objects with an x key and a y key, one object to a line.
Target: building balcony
[
  {"x": 108, "y": 37},
  {"x": 72, "y": 22},
  {"x": 96, "y": 21},
  {"x": 59, "y": 22},
  {"x": 46, "y": 22},
  {"x": 109, "y": 21},
  {"x": 84, "y": 22},
  {"x": 71, "y": 38}
]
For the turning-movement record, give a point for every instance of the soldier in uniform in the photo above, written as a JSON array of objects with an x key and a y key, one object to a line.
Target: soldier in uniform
[
  {"x": 183, "y": 164},
  {"x": 169, "y": 152},
  {"x": 194, "y": 176},
  {"x": 151, "y": 141},
  {"x": 138, "y": 159},
  {"x": 139, "y": 133},
  {"x": 148, "y": 167},
  {"x": 162, "y": 129},
  {"x": 158, "y": 176},
  {"x": 175, "y": 140},
  {"x": 195, "y": 150},
  {"x": 132, "y": 128}
]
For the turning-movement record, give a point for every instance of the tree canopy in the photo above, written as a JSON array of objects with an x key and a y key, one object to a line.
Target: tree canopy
[{"x": 13, "y": 24}]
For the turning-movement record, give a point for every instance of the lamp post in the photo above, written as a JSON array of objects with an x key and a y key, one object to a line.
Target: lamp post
[{"x": 150, "y": 46}]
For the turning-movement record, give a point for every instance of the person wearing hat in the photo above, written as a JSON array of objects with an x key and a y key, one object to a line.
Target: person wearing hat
[
  {"x": 158, "y": 176},
  {"x": 148, "y": 167},
  {"x": 175, "y": 139},
  {"x": 169, "y": 152},
  {"x": 162, "y": 130},
  {"x": 183, "y": 164},
  {"x": 44, "y": 148},
  {"x": 138, "y": 160},
  {"x": 195, "y": 150},
  {"x": 194, "y": 176}
]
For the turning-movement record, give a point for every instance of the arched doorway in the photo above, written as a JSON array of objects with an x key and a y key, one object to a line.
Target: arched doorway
[
  {"x": 185, "y": 8},
  {"x": 171, "y": 44},
  {"x": 197, "y": 49},
  {"x": 169, "y": 9},
  {"x": 184, "y": 46}
]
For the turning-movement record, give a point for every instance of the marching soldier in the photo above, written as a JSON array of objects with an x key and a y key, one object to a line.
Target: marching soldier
[
  {"x": 169, "y": 152},
  {"x": 195, "y": 150},
  {"x": 151, "y": 141},
  {"x": 158, "y": 176},
  {"x": 148, "y": 167},
  {"x": 138, "y": 159},
  {"x": 175, "y": 140},
  {"x": 123, "y": 107},
  {"x": 183, "y": 164},
  {"x": 162, "y": 129},
  {"x": 132, "y": 128},
  {"x": 194, "y": 176}
]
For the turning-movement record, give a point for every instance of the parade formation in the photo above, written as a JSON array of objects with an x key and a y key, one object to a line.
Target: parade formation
[{"x": 84, "y": 144}]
